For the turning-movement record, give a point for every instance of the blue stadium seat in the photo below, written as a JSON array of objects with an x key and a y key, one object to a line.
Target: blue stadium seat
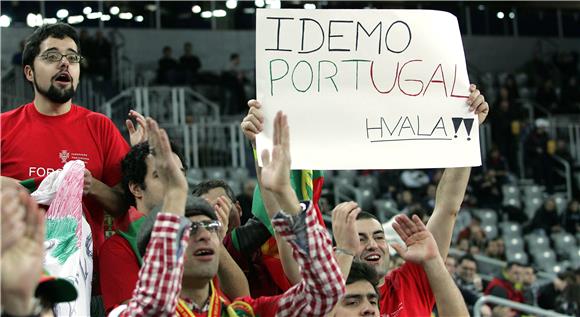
[
  {"x": 518, "y": 256},
  {"x": 563, "y": 243},
  {"x": 510, "y": 229},
  {"x": 537, "y": 243},
  {"x": 490, "y": 231},
  {"x": 545, "y": 260},
  {"x": 514, "y": 244}
]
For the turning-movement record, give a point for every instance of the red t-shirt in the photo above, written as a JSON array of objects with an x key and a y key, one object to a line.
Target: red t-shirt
[
  {"x": 33, "y": 145},
  {"x": 406, "y": 293}
]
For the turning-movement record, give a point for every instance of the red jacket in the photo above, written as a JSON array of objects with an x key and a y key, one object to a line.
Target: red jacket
[{"x": 507, "y": 287}]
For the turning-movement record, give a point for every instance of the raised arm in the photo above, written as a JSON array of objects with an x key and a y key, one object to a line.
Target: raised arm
[
  {"x": 159, "y": 283},
  {"x": 322, "y": 284},
  {"x": 422, "y": 249},
  {"x": 451, "y": 188},
  {"x": 253, "y": 124}
]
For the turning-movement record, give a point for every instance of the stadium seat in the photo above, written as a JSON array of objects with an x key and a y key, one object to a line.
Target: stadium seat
[
  {"x": 574, "y": 256},
  {"x": 368, "y": 181},
  {"x": 532, "y": 191},
  {"x": 215, "y": 173},
  {"x": 514, "y": 244},
  {"x": 487, "y": 216},
  {"x": 545, "y": 260},
  {"x": 194, "y": 173},
  {"x": 350, "y": 174},
  {"x": 561, "y": 202},
  {"x": 510, "y": 229},
  {"x": 342, "y": 180},
  {"x": 236, "y": 185},
  {"x": 563, "y": 243},
  {"x": 537, "y": 243},
  {"x": 386, "y": 209},
  {"x": 240, "y": 174},
  {"x": 365, "y": 198},
  {"x": 510, "y": 191},
  {"x": 532, "y": 205},
  {"x": 518, "y": 256},
  {"x": 490, "y": 231}
]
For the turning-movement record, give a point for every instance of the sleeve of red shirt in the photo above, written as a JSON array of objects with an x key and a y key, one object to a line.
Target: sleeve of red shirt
[
  {"x": 413, "y": 274},
  {"x": 119, "y": 272},
  {"x": 115, "y": 147}
]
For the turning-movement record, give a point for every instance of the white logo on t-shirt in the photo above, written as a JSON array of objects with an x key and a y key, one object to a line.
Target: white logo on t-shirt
[{"x": 63, "y": 155}]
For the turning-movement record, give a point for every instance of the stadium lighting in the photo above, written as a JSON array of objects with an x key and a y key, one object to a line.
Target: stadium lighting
[
  {"x": 231, "y": 4},
  {"x": 500, "y": 15},
  {"x": 50, "y": 21},
  {"x": 512, "y": 15},
  {"x": 94, "y": 15},
  {"x": 259, "y": 3},
  {"x": 309, "y": 6},
  {"x": 206, "y": 14},
  {"x": 75, "y": 19},
  {"x": 33, "y": 20},
  {"x": 196, "y": 9},
  {"x": 139, "y": 18},
  {"x": 5, "y": 21},
  {"x": 219, "y": 13},
  {"x": 126, "y": 16},
  {"x": 114, "y": 10},
  {"x": 105, "y": 17},
  {"x": 273, "y": 4},
  {"x": 62, "y": 13},
  {"x": 87, "y": 10}
]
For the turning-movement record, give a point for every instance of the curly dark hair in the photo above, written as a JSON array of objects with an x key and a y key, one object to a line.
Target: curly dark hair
[
  {"x": 134, "y": 168},
  {"x": 58, "y": 30},
  {"x": 207, "y": 185}
]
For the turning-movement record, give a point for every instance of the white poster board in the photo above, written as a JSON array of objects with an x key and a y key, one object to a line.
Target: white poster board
[{"x": 366, "y": 89}]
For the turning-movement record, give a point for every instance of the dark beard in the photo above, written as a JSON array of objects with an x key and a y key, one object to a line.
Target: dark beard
[{"x": 54, "y": 94}]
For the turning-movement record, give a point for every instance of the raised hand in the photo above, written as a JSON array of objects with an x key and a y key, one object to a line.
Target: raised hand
[
  {"x": 253, "y": 122},
  {"x": 166, "y": 164},
  {"x": 477, "y": 103},
  {"x": 222, "y": 210},
  {"x": 136, "y": 134},
  {"x": 22, "y": 260},
  {"x": 276, "y": 171},
  {"x": 421, "y": 246},
  {"x": 344, "y": 226}
]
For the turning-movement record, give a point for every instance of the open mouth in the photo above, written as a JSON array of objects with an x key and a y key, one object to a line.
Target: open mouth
[
  {"x": 63, "y": 78},
  {"x": 373, "y": 258},
  {"x": 204, "y": 254}
]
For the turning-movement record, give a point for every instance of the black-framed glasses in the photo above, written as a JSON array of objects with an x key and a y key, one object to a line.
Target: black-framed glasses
[
  {"x": 56, "y": 57},
  {"x": 209, "y": 225}
]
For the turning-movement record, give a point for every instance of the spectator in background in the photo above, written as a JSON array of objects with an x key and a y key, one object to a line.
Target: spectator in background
[
  {"x": 450, "y": 264},
  {"x": 234, "y": 80},
  {"x": 103, "y": 55},
  {"x": 466, "y": 273},
  {"x": 167, "y": 68},
  {"x": 512, "y": 87},
  {"x": 473, "y": 232},
  {"x": 405, "y": 200},
  {"x": 504, "y": 126},
  {"x": 562, "y": 295},
  {"x": 190, "y": 64},
  {"x": 504, "y": 286},
  {"x": 429, "y": 200},
  {"x": 89, "y": 52},
  {"x": 546, "y": 95},
  {"x": 497, "y": 162},
  {"x": 571, "y": 96},
  {"x": 17, "y": 57},
  {"x": 529, "y": 286},
  {"x": 571, "y": 217},
  {"x": 495, "y": 249},
  {"x": 488, "y": 193},
  {"x": 546, "y": 219},
  {"x": 536, "y": 153}
]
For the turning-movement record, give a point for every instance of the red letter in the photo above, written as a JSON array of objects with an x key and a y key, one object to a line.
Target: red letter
[
  {"x": 442, "y": 81},
  {"x": 453, "y": 88},
  {"x": 399, "y": 79}
]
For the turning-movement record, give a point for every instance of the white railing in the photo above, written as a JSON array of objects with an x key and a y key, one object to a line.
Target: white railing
[{"x": 536, "y": 311}]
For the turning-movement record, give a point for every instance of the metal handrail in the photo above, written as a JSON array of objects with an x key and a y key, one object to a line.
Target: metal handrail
[
  {"x": 515, "y": 305},
  {"x": 568, "y": 175}
]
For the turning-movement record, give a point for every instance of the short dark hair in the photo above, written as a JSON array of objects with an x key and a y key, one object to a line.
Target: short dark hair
[
  {"x": 360, "y": 271},
  {"x": 58, "y": 30},
  {"x": 195, "y": 206},
  {"x": 205, "y": 186},
  {"x": 366, "y": 215},
  {"x": 467, "y": 257},
  {"x": 134, "y": 168},
  {"x": 234, "y": 56},
  {"x": 510, "y": 264}
]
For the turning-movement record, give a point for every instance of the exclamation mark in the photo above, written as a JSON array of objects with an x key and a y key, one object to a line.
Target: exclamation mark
[
  {"x": 456, "y": 124},
  {"x": 468, "y": 126}
]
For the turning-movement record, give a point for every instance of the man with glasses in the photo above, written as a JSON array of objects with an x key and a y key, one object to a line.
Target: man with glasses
[{"x": 40, "y": 137}]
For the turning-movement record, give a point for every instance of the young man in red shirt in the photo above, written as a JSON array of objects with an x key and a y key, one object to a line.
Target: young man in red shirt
[{"x": 40, "y": 137}]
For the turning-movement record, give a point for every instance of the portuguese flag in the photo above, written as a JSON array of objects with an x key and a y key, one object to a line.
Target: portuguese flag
[{"x": 308, "y": 186}]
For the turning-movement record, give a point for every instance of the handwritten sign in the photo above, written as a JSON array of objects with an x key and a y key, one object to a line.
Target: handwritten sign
[{"x": 366, "y": 89}]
